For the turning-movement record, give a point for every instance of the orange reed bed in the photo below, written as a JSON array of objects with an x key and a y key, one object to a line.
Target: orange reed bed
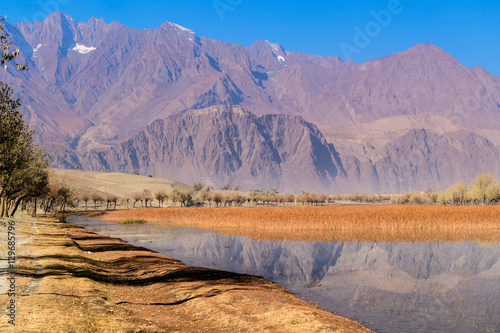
[{"x": 357, "y": 222}]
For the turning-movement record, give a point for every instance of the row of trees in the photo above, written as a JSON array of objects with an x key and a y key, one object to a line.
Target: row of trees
[
  {"x": 483, "y": 190},
  {"x": 198, "y": 196},
  {"x": 203, "y": 195}
]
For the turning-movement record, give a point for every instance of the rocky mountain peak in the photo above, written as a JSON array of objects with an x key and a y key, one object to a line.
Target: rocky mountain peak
[
  {"x": 58, "y": 18},
  {"x": 426, "y": 52},
  {"x": 180, "y": 30}
]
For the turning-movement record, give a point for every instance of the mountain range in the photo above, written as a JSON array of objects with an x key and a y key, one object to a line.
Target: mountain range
[{"x": 169, "y": 103}]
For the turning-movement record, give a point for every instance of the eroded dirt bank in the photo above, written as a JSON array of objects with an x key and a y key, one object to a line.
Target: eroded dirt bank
[{"x": 72, "y": 280}]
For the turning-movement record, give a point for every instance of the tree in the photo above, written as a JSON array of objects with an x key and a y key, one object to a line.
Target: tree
[
  {"x": 203, "y": 195},
  {"x": 290, "y": 198},
  {"x": 493, "y": 192},
  {"x": 175, "y": 195},
  {"x": 110, "y": 198},
  {"x": 23, "y": 165},
  {"x": 457, "y": 194},
  {"x": 237, "y": 198},
  {"x": 33, "y": 183},
  {"x": 186, "y": 197},
  {"x": 5, "y": 45},
  {"x": 65, "y": 195},
  {"x": 479, "y": 187},
  {"x": 302, "y": 198},
  {"x": 217, "y": 198},
  {"x": 160, "y": 196},
  {"x": 137, "y": 197},
  {"x": 95, "y": 197},
  {"x": 147, "y": 196},
  {"x": 85, "y": 198},
  {"x": 322, "y": 198}
]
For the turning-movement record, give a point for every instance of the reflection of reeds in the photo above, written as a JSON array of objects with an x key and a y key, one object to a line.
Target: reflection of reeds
[{"x": 367, "y": 223}]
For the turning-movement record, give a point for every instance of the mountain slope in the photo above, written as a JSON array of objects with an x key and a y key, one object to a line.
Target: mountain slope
[{"x": 228, "y": 145}]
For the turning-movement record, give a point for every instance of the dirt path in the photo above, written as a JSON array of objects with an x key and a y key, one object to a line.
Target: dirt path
[{"x": 72, "y": 280}]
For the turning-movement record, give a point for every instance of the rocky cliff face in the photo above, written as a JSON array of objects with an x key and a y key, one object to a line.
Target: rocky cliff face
[
  {"x": 222, "y": 145},
  {"x": 414, "y": 152},
  {"x": 92, "y": 86}
]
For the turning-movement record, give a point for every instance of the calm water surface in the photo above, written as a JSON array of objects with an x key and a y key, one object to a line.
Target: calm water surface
[{"x": 388, "y": 287}]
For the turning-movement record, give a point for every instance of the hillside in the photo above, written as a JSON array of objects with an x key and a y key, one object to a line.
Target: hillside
[{"x": 116, "y": 183}]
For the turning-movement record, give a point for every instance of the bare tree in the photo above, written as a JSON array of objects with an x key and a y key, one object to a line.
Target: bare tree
[
  {"x": 85, "y": 198},
  {"x": 160, "y": 196},
  {"x": 136, "y": 197},
  {"x": 217, "y": 198},
  {"x": 96, "y": 197}
]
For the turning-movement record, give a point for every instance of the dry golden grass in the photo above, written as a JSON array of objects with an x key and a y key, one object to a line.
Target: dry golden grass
[{"x": 357, "y": 222}]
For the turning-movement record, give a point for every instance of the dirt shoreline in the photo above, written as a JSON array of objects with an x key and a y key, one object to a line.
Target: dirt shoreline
[{"x": 69, "y": 279}]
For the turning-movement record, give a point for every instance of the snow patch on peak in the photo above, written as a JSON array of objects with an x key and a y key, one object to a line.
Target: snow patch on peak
[
  {"x": 275, "y": 47},
  {"x": 37, "y": 47},
  {"x": 82, "y": 49},
  {"x": 277, "y": 51},
  {"x": 180, "y": 29}
]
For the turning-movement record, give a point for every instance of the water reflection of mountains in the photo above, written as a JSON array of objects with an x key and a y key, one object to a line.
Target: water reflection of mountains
[
  {"x": 312, "y": 262},
  {"x": 390, "y": 287}
]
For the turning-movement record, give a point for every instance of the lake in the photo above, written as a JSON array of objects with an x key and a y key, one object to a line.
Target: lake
[{"x": 388, "y": 287}]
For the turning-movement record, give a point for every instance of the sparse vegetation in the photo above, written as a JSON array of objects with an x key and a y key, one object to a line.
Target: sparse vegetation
[
  {"x": 133, "y": 221},
  {"x": 91, "y": 214},
  {"x": 483, "y": 190}
]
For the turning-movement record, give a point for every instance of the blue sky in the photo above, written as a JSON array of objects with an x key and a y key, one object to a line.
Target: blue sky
[{"x": 469, "y": 30}]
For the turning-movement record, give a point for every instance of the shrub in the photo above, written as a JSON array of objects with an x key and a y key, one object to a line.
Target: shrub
[{"x": 133, "y": 221}]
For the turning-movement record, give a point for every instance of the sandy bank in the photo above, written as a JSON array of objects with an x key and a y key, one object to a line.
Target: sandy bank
[{"x": 72, "y": 280}]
